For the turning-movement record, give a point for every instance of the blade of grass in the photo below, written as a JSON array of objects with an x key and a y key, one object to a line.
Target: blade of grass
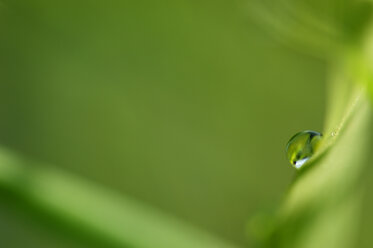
[
  {"x": 89, "y": 208},
  {"x": 321, "y": 208}
]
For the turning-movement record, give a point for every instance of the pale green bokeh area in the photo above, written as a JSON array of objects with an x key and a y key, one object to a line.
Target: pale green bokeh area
[{"x": 183, "y": 105}]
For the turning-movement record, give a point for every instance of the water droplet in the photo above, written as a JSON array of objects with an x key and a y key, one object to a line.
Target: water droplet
[
  {"x": 334, "y": 133},
  {"x": 301, "y": 147}
]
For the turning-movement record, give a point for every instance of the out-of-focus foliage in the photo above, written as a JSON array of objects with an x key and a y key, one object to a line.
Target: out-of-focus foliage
[
  {"x": 323, "y": 204},
  {"x": 320, "y": 28},
  {"x": 100, "y": 216},
  {"x": 184, "y": 105},
  {"x": 171, "y": 103}
]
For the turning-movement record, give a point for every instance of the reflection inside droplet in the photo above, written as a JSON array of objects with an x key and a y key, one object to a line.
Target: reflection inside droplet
[
  {"x": 299, "y": 163},
  {"x": 302, "y": 146}
]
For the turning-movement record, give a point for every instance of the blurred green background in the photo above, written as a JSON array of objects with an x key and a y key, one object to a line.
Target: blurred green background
[{"x": 183, "y": 105}]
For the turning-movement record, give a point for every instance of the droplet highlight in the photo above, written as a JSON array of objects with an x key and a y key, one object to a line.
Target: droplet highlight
[{"x": 301, "y": 147}]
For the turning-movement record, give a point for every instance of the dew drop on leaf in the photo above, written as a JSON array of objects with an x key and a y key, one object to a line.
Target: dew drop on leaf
[{"x": 301, "y": 147}]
